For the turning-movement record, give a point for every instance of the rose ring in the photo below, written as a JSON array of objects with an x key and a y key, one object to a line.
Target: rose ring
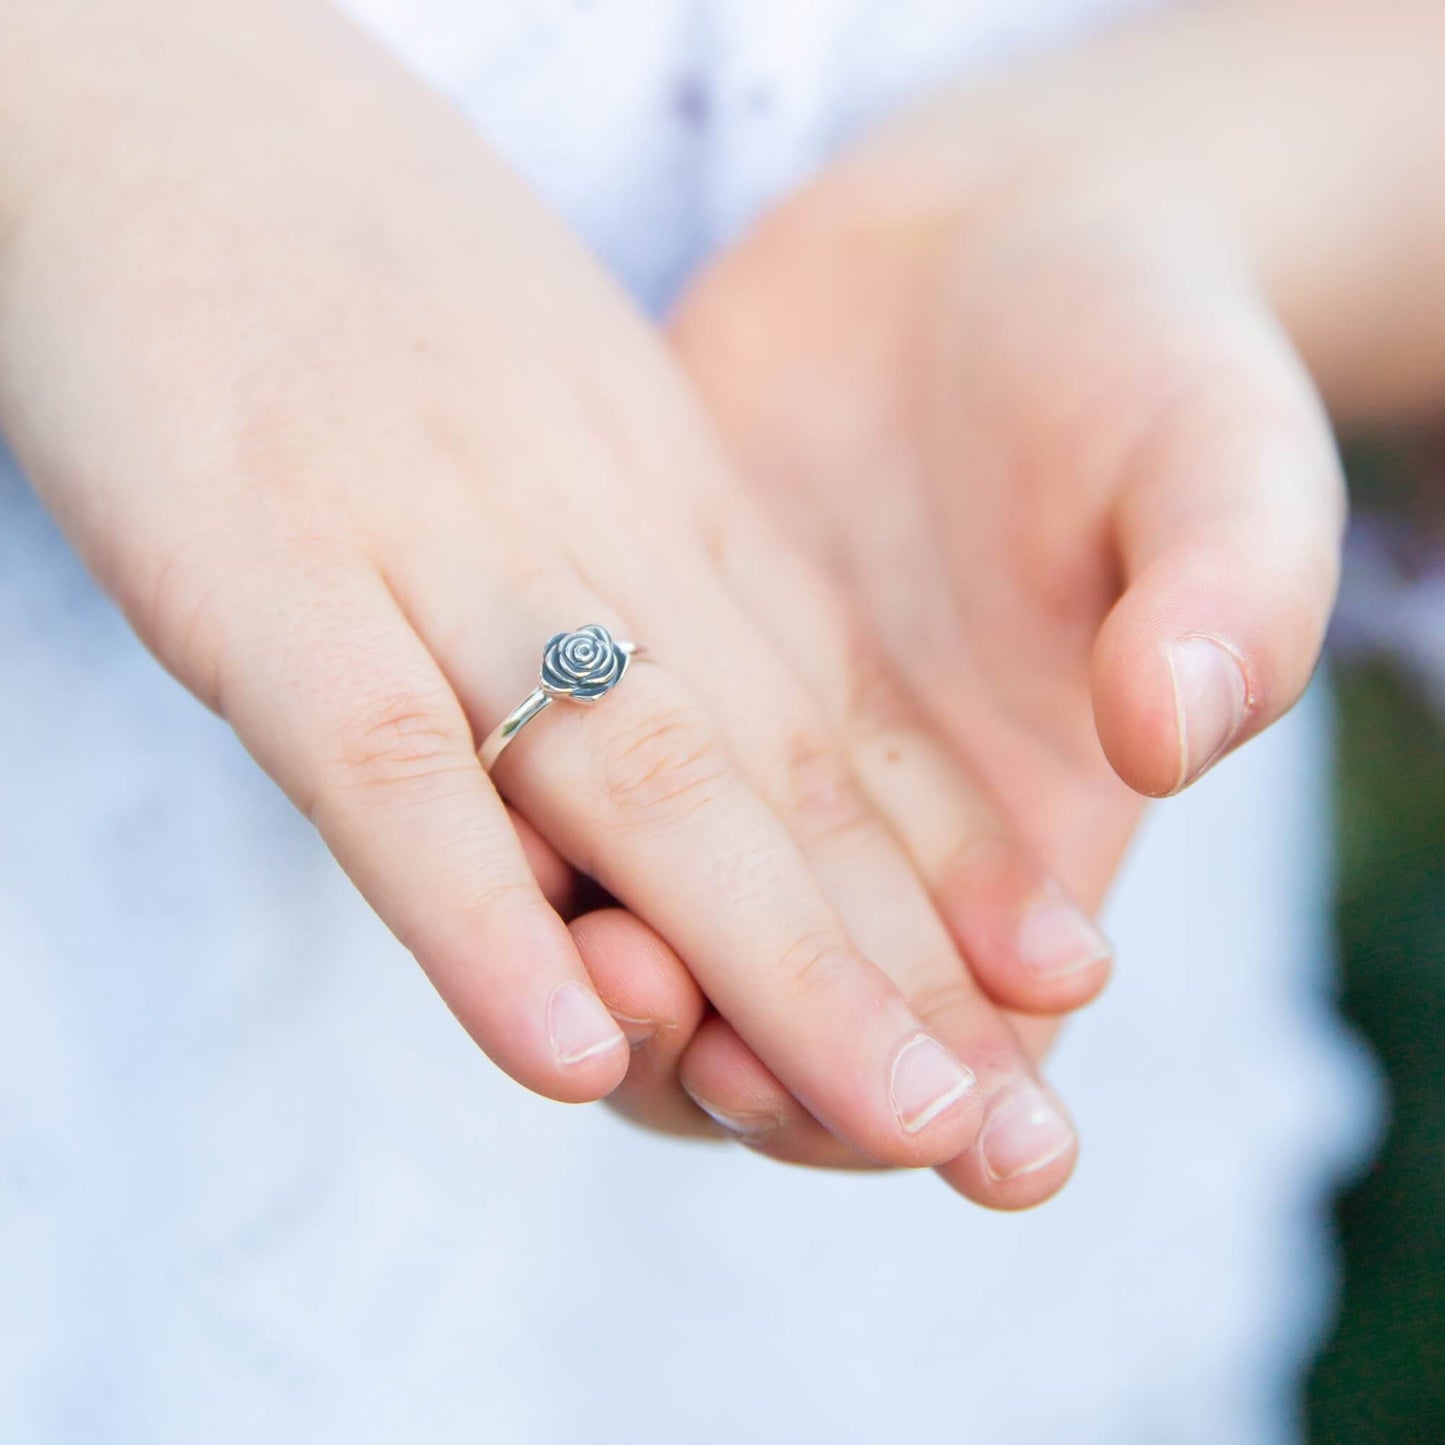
[{"x": 583, "y": 665}]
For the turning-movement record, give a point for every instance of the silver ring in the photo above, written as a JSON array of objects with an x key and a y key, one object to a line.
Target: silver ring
[{"x": 581, "y": 666}]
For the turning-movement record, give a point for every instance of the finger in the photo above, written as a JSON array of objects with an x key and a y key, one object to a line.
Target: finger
[
  {"x": 654, "y": 999},
  {"x": 875, "y": 887},
  {"x": 805, "y": 775},
  {"x": 1031, "y": 946},
  {"x": 554, "y": 877},
  {"x": 643, "y": 794},
  {"x": 878, "y": 893},
  {"x": 337, "y": 698},
  {"x": 731, "y": 1085},
  {"x": 684, "y": 1062},
  {"x": 1024, "y": 1154},
  {"x": 889, "y": 915},
  {"x": 1228, "y": 525}
]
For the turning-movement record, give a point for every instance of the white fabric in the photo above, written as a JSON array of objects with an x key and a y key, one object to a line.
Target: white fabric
[{"x": 256, "y": 1186}]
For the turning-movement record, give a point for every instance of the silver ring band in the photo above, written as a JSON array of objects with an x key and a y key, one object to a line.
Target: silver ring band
[{"x": 583, "y": 665}]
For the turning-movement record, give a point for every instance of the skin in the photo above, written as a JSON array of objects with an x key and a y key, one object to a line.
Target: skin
[
  {"x": 349, "y": 426},
  {"x": 1043, "y": 387}
]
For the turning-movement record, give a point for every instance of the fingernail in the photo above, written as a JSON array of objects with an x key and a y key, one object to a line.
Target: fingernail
[
  {"x": 926, "y": 1080},
  {"x": 1023, "y": 1133},
  {"x": 1057, "y": 938},
  {"x": 637, "y": 1031},
  {"x": 1211, "y": 695},
  {"x": 579, "y": 1025},
  {"x": 743, "y": 1126}
]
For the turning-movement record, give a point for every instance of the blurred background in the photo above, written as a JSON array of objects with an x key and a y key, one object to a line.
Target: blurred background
[{"x": 1381, "y": 1373}]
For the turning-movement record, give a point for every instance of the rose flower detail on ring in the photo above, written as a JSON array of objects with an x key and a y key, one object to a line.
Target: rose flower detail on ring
[{"x": 583, "y": 665}]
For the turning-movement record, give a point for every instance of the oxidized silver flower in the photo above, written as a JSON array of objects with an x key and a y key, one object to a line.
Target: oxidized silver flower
[{"x": 583, "y": 664}]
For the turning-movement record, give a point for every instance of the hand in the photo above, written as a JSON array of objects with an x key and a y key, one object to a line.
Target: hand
[
  {"x": 349, "y": 427},
  {"x": 1034, "y": 413}
]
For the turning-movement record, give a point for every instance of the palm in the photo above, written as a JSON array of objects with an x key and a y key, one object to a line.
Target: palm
[
  {"x": 944, "y": 424},
  {"x": 1066, "y": 472}
]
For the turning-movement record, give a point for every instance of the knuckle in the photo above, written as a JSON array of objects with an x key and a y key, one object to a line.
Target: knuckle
[
  {"x": 663, "y": 770},
  {"x": 816, "y": 962},
  {"x": 820, "y": 796},
  {"x": 410, "y": 742}
]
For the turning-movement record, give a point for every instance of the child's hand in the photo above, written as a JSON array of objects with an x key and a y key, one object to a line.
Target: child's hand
[
  {"x": 350, "y": 427},
  {"x": 1035, "y": 412}
]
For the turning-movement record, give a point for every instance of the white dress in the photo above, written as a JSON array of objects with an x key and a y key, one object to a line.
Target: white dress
[{"x": 256, "y": 1186}]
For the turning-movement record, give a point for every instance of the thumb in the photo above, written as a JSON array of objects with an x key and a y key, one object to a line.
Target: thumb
[{"x": 1228, "y": 528}]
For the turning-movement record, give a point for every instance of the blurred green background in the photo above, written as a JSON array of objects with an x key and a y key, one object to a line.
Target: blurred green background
[{"x": 1381, "y": 1374}]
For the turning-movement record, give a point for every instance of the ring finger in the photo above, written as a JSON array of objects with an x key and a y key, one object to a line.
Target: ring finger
[
  {"x": 802, "y": 770},
  {"x": 645, "y": 795}
]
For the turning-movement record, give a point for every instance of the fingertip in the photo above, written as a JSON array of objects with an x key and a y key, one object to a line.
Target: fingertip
[
  {"x": 732, "y": 1086},
  {"x": 937, "y": 1107},
  {"x": 645, "y": 985},
  {"x": 658, "y": 1006},
  {"x": 1026, "y": 1152},
  {"x": 1031, "y": 946},
  {"x": 575, "y": 1053},
  {"x": 744, "y": 1102},
  {"x": 518, "y": 987},
  {"x": 1212, "y": 701},
  {"x": 1134, "y": 709},
  {"x": 587, "y": 1045},
  {"x": 1216, "y": 636},
  {"x": 1174, "y": 693}
]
